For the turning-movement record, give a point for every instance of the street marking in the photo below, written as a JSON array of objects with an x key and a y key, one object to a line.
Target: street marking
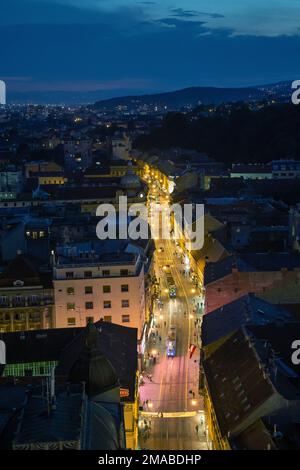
[{"x": 174, "y": 414}]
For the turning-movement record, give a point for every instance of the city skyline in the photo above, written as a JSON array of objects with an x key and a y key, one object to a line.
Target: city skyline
[{"x": 129, "y": 47}]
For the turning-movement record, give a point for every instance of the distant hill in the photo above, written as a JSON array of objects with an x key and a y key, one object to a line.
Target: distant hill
[{"x": 193, "y": 96}]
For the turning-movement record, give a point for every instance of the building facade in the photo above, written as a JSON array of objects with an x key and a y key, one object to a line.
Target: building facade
[{"x": 110, "y": 288}]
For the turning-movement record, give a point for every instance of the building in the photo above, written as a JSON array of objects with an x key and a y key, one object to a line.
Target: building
[
  {"x": 2, "y": 93},
  {"x": 251, "y": 171},
  {"x": 11, "y": 182},
  {"x": 219, "y": 325},
  {"x": 25, "y": 234},
  {"x": 55, "y": 178},
  {"x": 26, "y": 296},
  {"x": 31, "y": 169},
  {"x": 82, "y": 403},
  {"x": 121, "y": 147},
  {"x": 250, "y": 378},
  {"x": 294, "y": 228},
  {"x": 285, "y": 169},
  {"x": 235, "y": 276},
  {"x": 92, "y": 285},
  {"x": 33, "y": 355},
  {"x": 78, "y": 155}
]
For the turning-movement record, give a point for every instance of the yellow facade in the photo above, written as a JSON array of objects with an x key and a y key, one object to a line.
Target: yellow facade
[
  {"x": 131, "y": 417},
  {"x": 219, "y": 442},
  {"x": 54, "y": 180}
]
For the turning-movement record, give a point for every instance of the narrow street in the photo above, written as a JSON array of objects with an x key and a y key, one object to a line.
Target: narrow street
[{"x": 173, "y": 410}]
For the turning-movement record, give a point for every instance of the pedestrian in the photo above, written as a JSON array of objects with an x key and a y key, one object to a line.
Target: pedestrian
[
  {"x": 197, "y": 429},
  {"x": 160, "y": 339}
]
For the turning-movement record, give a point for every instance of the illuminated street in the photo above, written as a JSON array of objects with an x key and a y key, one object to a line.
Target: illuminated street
[{"x": 173, "y": 410}]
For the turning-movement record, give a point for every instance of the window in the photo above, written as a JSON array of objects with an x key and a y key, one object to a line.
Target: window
[
  {"x": 70, "y": 306},
  {"x": 69, "y": 275},
  {"x": 106, "y": 289},
  {"x": 88, "y": 289},
  {"x": 88, "y": 274},
  {"x": 125, "y": 318},
  {"x": 71, "y": 321},
  {"x": 107, "y": 318},
  {"x": 124, "y": 272},
  {"x": 89, "y": 320},
  {"x": 107, "y": 304},
  {"x": 106, "y": 272},
  {"x": 19, "y": 317},
  {"x": 89, "y": 305},
  {"x": 124, "y": 288},
  {"x": 70, "y": 290},
  {"x": 125, "y": 303}
]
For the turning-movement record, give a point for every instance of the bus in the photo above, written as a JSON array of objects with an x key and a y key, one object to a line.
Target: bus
[
  {"x": 171, "y": 342},
  {"x": 171, "y": 286}
]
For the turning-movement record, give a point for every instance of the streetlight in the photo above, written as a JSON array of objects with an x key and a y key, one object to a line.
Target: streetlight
[{"x": 194, "y": 402}]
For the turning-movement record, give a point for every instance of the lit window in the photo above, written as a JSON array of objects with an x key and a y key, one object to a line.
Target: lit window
[{"x": 71, "y": 321}]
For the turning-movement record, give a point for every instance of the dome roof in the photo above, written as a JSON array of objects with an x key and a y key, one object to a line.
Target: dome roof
[
  {"x": 92, "y": 367},
  {"x": 130, "y": 180}
]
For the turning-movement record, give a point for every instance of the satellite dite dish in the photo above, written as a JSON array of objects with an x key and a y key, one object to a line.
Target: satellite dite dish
[{"x": 2, "y": 92}]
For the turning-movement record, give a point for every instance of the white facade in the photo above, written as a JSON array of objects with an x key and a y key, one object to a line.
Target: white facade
[
  {"x": 2, "y": 92},
  {"x": 121, "y": 147},
  {"x": 113, "y": 292}
]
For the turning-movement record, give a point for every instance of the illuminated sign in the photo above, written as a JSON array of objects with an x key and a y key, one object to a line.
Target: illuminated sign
[{"x": 124, "y": 392}]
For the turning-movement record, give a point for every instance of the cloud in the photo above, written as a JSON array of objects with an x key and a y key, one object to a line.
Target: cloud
[
  {"x": 181, "y": 13},
  {"x": 66, "y": 46}
]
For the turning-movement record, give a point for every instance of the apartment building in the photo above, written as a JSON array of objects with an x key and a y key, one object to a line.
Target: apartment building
[
  {"x": 26, "y": 296},
  {"x": 91, "y": 287}
]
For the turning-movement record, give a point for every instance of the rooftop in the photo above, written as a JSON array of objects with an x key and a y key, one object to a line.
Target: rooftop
[{"x": 245, "y": 310}]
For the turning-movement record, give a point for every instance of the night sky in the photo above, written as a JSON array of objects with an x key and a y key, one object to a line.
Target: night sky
[{"x": 134, "y": 46}]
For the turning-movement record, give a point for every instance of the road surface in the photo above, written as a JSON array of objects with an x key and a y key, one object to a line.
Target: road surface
[{"x": 173, "y": 386}]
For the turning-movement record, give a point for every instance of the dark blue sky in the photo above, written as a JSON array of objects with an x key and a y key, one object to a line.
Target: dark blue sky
[{"x": 137, "y": 46}]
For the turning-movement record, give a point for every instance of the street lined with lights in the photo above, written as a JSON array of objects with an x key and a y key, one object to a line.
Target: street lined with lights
[{"x": 171, "y": 403}]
